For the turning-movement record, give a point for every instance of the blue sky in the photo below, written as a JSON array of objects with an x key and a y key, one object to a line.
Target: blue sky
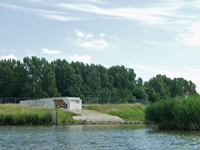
[{"x": 152, "y": 37}]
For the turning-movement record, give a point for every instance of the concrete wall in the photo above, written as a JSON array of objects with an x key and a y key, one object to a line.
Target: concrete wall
[
  {"x": 66, "y": 103},
  {"x": 75, "y": 105}
]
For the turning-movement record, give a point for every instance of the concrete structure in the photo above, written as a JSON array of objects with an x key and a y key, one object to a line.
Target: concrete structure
[{"x": 66, "y": 103}]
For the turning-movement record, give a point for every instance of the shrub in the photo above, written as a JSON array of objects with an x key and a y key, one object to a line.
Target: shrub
[
  {"x": 9, "y": 119},
  {"x": 21, "y": 120},
  {"x": 46, "y": 119},
  {"x": 35, "y": 119},
  {"x": 1, "y": 119},
  {"x": 181, "y": 113}
]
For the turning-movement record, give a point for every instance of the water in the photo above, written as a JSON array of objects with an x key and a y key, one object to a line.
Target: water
[{"x": 95, "y": 137}]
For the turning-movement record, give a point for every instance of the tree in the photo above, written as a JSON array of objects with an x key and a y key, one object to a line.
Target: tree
[
  {"x": 159, "y": 86},
  {"x": 139, "y": 82},
  {"x": 140, "y": 93},
  {"x": 152, "y": 95},
  {"x": 106, "y": 80},
  {"x": 192, "y": 88},
  {"x": 93, "y": 79},
  {"x": 105, "y": 93},
  {"x": 6, "y": 77},
  {"x": 41, "y": 78},
  {"x": 177, "y": 88},
  {"x": 21, "y": 78},
  {"x": 48, "y": 79},
  {"x": 123, "y": 77}
]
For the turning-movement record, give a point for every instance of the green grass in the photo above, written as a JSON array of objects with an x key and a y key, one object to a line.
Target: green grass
[
  {"x": 12, "y": 114},
  {"x": 177, "y": 113},
  {"x": 129, "y": 112}
]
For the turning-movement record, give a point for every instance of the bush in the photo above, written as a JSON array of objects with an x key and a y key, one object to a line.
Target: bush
[
  {"x": 22, "y": 119},
  {"x": 9, "y": 119},
  {"x": 181, "y": 113},
  {"x": 1, "y": 119},
  {"x": 35, "y": 119},
  {"x": 46, "y": 119}
]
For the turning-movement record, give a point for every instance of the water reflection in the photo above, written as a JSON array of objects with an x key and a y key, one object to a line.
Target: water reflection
[
  {"x": 96, "y": 137},
  {"x": 178, "y": 139}
]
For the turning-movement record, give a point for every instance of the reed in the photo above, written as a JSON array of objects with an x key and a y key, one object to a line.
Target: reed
[
  {"x": 25, "y": 119},
  {"x": 178, "y": 113},
  {"x": 13, "y": 114}
]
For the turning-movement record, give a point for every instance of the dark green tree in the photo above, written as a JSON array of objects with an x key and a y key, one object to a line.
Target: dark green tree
[
  {"x": 152, "y": 95},
  {"x": 41, "y": 78},
  {"x": 7, "y": 77}
]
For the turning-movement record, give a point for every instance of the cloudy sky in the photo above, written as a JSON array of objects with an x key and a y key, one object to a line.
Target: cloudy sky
[{"x": 152, "y": 37}]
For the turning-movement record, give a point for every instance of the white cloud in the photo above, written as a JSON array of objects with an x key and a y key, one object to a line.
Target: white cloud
[
  {"x": 79, "y": 33},
  {"x": 159, "y": 43},
  {"x": 11, "y": 56},
  {"x": 157, "y": 13},
  {"x": 148, "y": 15},
  {"x": 97, "y": 44},
  {"x": 89, "y": 36},
  {"x": 58, "y": 17},
  {"x": 85, "y": 42},
  {"x": 157, "y": 71},
  {"x": 84, "y": 58},
  {"x": 116, "y": 38},
  {"x": 34, "y": 0},
  {"x": 102, "y": 34},
  {"x": 95, "y": 1},
  {"x": 55, "y": 15},
  {"x": 192, "y": 37},
  {"x": 45, "y": 50}
]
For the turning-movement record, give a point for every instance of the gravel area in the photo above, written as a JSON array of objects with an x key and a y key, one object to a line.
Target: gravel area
[{"x": 93, "y": 116}]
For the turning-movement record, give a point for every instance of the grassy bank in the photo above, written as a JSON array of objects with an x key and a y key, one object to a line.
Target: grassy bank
[
  {"x": 12, "y": 114},
  {"x": 130, "y": 112},
  {"x": 179, "y": 113}
]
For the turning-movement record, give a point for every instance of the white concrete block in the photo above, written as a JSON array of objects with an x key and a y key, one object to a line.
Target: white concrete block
[{"x": 67, "y": 103}]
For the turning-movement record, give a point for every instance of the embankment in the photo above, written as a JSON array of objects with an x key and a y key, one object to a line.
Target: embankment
[{"x": 13, "y": 114}]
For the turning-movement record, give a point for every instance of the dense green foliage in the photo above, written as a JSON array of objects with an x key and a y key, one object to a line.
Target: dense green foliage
[
  {"x": 35, "y": 77},
  {"x": 162, "y": 87},
  {"x": 25, "y": 119},
  {"x": 177, "y": 113}
]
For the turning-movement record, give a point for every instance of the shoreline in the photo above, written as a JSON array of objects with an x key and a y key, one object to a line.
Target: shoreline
[
  {"x": 100, "y": 123},
  {"x": 81, "y": 123}
]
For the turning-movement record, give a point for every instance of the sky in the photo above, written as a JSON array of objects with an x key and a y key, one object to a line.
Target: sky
[{"x": 151, "y": 37}]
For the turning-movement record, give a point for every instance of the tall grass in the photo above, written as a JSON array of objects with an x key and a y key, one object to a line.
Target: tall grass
[
  {"x": 13, "y": 114},
  {"x": 130, "y": 112},
  {"x": 25, "y": 119},
  {"x": 177, "y": 113}
]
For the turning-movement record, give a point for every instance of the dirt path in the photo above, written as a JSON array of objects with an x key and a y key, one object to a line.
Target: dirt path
[{"x": 96, "y": 117}]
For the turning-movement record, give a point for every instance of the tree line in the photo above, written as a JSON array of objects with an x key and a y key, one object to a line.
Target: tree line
[{"x": 36, "y": 77}]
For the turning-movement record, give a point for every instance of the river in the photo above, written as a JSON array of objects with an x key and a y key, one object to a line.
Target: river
[{"x": 132, "y": 136}]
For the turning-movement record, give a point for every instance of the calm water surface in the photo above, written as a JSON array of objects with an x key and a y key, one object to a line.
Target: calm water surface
[{"x": 95, "y": 137}]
